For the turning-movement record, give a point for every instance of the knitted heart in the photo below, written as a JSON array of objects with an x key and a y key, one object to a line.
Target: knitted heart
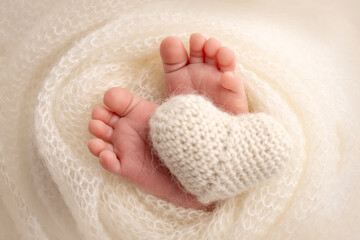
[{"x": 213, "y": 154}]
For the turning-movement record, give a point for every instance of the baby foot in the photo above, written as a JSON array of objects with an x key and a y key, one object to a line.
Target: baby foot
[
  {"x": 123, "y": 149},
  {"x": 209, "y": 70}
]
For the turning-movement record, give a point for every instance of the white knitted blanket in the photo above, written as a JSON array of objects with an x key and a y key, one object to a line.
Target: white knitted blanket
[{"x": 300, "y": 63}]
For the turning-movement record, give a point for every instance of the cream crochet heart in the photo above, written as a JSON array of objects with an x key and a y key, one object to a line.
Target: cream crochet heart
[{"x": 213, "y": 154}]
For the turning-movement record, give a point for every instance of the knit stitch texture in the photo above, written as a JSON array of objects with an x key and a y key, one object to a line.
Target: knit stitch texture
[
  {"x": 213, "y": 154},
  {"x": 57, "y": 58}
]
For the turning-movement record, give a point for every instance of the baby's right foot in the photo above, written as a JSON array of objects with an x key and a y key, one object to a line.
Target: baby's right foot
[
  {"x": 123, "y": 148},
  {"x": 209, "y": 71}
]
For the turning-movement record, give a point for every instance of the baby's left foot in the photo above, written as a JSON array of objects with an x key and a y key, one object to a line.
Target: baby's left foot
[{"x": 209, "y": 70}]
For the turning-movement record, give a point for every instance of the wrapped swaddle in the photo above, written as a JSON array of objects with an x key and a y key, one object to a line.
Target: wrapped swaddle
[{"x": 57, "y": 58}]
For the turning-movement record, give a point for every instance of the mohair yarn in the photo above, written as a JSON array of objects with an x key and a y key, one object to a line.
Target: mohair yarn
[{"x": 299, "y": 61}]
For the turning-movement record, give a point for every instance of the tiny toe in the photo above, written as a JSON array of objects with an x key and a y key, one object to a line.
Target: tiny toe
[
  {"x": 96, "y": 146},
  {"x": 101, "y": 113},
  {"x": 231, "y": 81},
  {"x": 173, "y": 54},
  {"x": 226, "y": 59},
  {"x": 211, "y": 48},
  {"x": 109, "y": 161},
  {"x": 101, "y": 130},
  {"x": 197, "y": 43}
]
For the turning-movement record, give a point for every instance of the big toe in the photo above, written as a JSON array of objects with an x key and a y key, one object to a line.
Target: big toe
[
  {"x": 173, "y": 54},
  {"x": 125, "y": 104},
  {"x": 120, "y": 101}
]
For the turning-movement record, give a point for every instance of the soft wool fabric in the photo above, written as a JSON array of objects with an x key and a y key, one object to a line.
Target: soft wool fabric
[
  {"x": 299, "y": 62},
  {"x": 213, "y": 154}
]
